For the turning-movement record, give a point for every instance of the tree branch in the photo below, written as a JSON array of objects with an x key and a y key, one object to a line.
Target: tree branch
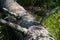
[
  {"x": 48, "y": 14},
  {"x": 52, "y": 11},
  {"x": 15, "y": 26}
]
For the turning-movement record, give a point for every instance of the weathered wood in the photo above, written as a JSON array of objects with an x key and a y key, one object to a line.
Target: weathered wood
[
  {"x": 24, "y": 22},
  {"x": 33, "y": 33},
  {"x": 15, "y": 26}
]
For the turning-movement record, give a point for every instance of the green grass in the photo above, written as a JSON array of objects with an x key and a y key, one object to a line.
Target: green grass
[{"x": 53, "y": 25}]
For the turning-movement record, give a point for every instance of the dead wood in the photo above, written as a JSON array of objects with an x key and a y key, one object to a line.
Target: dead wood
[{"x": 24, "y": 22}]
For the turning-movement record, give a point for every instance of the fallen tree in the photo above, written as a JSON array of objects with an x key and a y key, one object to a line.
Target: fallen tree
[{"x": 20, "y": 20}]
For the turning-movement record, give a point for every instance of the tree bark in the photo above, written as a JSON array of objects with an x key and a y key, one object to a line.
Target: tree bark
[{"x": 24, "y": 22}]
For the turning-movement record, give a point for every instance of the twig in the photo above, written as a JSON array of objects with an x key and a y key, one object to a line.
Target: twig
[{"x": 48, "y": 14}]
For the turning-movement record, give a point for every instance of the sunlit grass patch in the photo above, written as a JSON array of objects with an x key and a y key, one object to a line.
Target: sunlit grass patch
[{"x": 53, "y": 25}]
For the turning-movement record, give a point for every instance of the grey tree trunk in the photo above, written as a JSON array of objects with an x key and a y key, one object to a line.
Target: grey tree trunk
[{"x": 25, "y": 22}]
